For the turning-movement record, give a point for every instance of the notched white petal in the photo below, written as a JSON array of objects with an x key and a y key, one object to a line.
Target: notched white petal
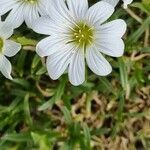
[
  {"x": 5, "y": 67},
  {"x": 99, "y": 13},
  {"x": 111, "y": 46},
  {"x": 112, "y": 2},
  {"x": 97, "y": 63},
  {"x": 60, "y": 14},
  {"x": 50, "y": 45},
  {"x": 46, "y": 26},
  {"x": 115, "y": 28},
  {"x": 58, "y": 62},
  {"x": 42, "y": 26},
  {"x": 16, "y": 16},
  {"x": 77, "y": 68},
  {"x": 21, "y": 11},
  {"x": 6, "y": 30},
  {"x": 78, "y": 8},
  {"x": 31, "y": 16},
  {"x": 6, "y": 5},
  {"x": 11, "y": 48}
]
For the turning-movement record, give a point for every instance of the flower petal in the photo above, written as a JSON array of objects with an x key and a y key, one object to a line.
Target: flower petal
[
  {"x": 58, "y": 62},
  {"x": 110, "y": 46},
  {"x": 6, "y": 30},
  {"x": 60, "y": 13},
  {"x": 99, "y": 12},
  {"x": 116, "y": 28},
  {"x": 50, "y": 45},
  {"x": 46, "y": 26},
  {"x": 97, "y": 63},
  {"x": 44, "y": 6},
  {"x": 16, "y": 16},
  {"x": 32, "y": 14},
  {"x": 112, "y": 2},
  {"x": 6, "y": 5},
  {"x": 11, "y": 48},
  {"x": 78, "y": 8},
  {"x": 77, "y": 68},
  {"x": 5, "y": 67}
]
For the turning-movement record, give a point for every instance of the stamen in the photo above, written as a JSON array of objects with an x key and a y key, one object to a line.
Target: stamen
[{"x": 82, "y": 34}]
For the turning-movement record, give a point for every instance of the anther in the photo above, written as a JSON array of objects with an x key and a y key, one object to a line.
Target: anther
[
  {"x": 90, "y": 29},
  {"x": 82, "y": 34}
]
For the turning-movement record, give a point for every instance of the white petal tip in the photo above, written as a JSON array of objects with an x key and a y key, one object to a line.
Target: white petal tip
[
  {"x": 106, "y": 72},
  {"x": 76, "y": 84},
  {"x": 9, "y": 77},
  {"x": 39, "y": 52},
  {"x": 53, "y": 76},
  {"x": 120, "y": 54},
  {"x": 125, "y": 6}
]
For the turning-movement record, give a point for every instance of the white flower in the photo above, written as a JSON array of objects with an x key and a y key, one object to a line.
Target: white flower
[
  {"x": 7, "y": 48},
  {"x": 77, "y": 33},
  {"x": 112, "y": 2},
  {"x": 23, "y": 10},
  {"x": 115, "y": 2}
]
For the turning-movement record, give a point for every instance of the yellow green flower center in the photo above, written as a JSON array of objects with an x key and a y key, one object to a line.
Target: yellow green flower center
[
  {"x": 82, "y": 34},
  {"x": 1, "y": 45},
  {"x": 29, "y": 1}
]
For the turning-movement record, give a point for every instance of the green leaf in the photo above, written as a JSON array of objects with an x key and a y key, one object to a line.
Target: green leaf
[
  {"x": 58, "y": 94},
  {"x": 27, "y": 110},
  {"x": 35, "y": 61},
  {"x": 123, "y": 73},
  {"x": 21, "y": 62},
  {"x": 145, "y": 7},
  {"x": 41, "y": 71},
  {"x": 24, "y": 83},
  {"x": 14, "y": 137},
  {"x": 138, "y": 33},
  {"x": 67, "y": 115},
  {"x": 107, "y": 85},
  {"x": 87, "y": 136},
  {"x": 41, "y": 140}
]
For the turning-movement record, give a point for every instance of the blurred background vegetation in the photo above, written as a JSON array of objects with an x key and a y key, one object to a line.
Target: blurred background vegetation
[{"x": 105, "y": 113}]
